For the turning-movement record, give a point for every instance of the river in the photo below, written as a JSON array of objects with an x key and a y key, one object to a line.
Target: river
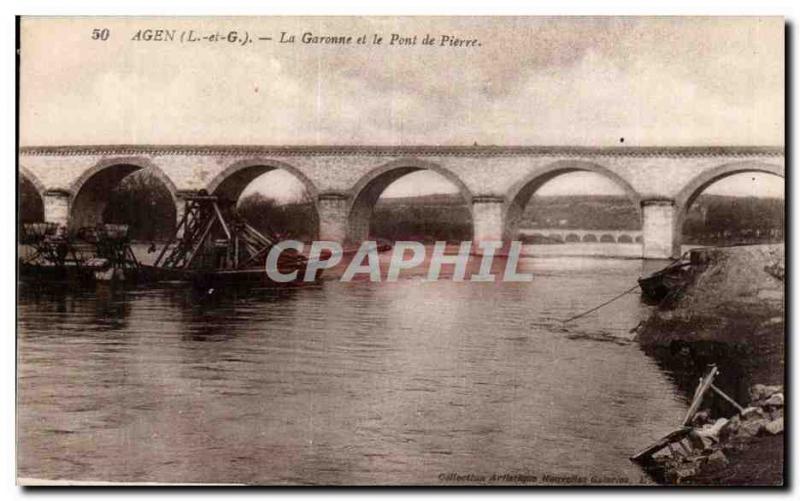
[{"x": 342, "y": 383}]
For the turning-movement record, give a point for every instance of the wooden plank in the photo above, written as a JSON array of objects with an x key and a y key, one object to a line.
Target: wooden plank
[
  {"x": 266, "y": 240},
  {"x": 236, "y": 252},
  {"x": 199, "y": 243},
  {"x": 702, "y": 388},
  {"x": 729, "y": 399},
  {"x": 254, "y": 256},
  {"x": 222, "y": 220},
  {"x": 129, "y": 251},
  {"x": 177, "y": 230},
  {"x": 671, "y": 438},
  {"x": 251, "y": 249},
  {"x": 201, "y": 197}
]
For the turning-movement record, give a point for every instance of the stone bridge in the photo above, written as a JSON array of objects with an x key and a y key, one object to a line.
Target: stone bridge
[
  {"x": 346, "y": 181},
  {"x": 568, "y": 235}
]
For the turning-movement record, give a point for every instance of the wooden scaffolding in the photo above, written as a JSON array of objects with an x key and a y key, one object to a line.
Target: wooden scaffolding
[{"x": 212, "y": 237}]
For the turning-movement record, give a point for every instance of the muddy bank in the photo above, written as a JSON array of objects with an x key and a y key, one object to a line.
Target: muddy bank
[{"x": 731, "y": 313}]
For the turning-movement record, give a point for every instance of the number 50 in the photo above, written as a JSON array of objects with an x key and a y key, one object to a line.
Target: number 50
[{"x": 100, "y": 34}]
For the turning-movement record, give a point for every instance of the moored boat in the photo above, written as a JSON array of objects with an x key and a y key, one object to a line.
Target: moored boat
[
  {"x": 100, "y": 253},
  {"x": 657, "y": 286}
]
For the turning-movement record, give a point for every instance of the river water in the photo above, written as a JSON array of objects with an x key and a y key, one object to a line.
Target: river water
[{"x": 410, "y": 382}]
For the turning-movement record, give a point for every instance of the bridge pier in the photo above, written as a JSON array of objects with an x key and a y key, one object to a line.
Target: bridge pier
[
  {"x": 56, "y": 206},
  {"x": 333, "y": 217},
  {"x": 658, "y": 229},
  {"x": 487, "y": 219}
]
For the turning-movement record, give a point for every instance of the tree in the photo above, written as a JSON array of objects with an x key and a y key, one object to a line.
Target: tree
[
  {"x": 143, "y": 203},
  {"x": 297, "y": 221},
  {"x": 31, "y": 206}
]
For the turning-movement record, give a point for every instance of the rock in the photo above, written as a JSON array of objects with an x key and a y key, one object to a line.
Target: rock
[
  {"x": 776, "y": 400},
  {"x": 730, "y": 428},
  {"x": 700, "y": 442},
  {"x": 710, "y": 432},
  {"x": 696, "y": 458},
  {"x": 716, "y": 460},
  {"x": 701, "y": 418},
  {"x": 719, "y": 424},
  {"x": 717, "y": 457},
  {"x": 774, "y": 427},
  {"x": 752, "y": 413},
  {"x": 685, "y": 471},
  {"x": 763, "y": 392},
  {"x": 751, "y": 428},
  {"x": 770, "y": 390},
  {"x": 770, "y": 294}
]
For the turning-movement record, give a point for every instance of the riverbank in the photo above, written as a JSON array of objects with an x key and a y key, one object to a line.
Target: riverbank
[{"x": 730, "y": 314}]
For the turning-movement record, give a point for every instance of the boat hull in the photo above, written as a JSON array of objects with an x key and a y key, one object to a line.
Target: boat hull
[
  {"x": 37, "y": 272},
  {"x": 656, "y": 287}
]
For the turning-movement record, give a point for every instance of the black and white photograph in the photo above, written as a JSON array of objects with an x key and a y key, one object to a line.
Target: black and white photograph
[{"x": 463, "y": 251}]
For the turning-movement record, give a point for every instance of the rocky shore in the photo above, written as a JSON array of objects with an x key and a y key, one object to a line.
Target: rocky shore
[
  {"x": 705, "y": 456},
  {"x": 731, "y": 314}
]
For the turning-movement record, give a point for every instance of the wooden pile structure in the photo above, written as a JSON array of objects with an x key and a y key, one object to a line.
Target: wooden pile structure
[{"x": 214, "y": 238}]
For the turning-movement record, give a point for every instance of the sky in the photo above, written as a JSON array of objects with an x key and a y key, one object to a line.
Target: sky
[{"x": 527, "y": 81}]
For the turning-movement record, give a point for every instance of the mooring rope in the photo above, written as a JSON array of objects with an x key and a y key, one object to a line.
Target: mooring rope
[
  {"x": 601, "y": 304},
  {"x": 621, "y": 294}
]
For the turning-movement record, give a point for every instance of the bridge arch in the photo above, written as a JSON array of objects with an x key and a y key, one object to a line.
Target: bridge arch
[
  {"x": 235, "y": 178},
  {"x": 30, "y": 177},
  {"x": 30, "y": 197},
  {"x": 366, "y": 192},
  {"x": 232, "y": 181},
  {"x": 89, "y": 193},
  {"x": 690, "y": 192},
  {"x": 522, "y": 191}
]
